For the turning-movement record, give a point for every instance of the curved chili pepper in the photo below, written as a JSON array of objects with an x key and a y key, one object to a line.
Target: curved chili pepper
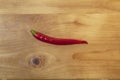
[{"x": 56, "y": 41}]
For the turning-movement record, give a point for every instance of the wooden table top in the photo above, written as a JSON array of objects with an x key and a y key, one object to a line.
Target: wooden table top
[{"x": 97, "y": 21}]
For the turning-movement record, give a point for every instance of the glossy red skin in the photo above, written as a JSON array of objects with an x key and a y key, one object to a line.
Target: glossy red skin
[{"x": 57, "y": 41}]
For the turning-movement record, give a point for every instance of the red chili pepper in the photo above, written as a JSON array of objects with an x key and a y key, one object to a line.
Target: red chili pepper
[{"x": 56, "y": 41}]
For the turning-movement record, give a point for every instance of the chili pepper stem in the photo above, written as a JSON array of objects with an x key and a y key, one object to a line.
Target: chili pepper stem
[{"x": 33, "y": 32}]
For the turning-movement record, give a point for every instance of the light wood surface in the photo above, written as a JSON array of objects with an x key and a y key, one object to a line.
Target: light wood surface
[
  {"x": 97, "y": 21},
  {"x": 99, "y": 59},
  {"x": 59, "y": 6}
]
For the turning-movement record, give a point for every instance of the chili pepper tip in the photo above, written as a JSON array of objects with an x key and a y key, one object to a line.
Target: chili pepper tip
[
  {"x": 85, "y": 42},
  {"x": 33, "y": 32}
]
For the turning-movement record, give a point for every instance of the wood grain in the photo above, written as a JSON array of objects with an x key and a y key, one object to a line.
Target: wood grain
[
  {"x": 97, "y": 21},
  {"x": 59, "y": 6},
  {"x": 99, "y": 59}
]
